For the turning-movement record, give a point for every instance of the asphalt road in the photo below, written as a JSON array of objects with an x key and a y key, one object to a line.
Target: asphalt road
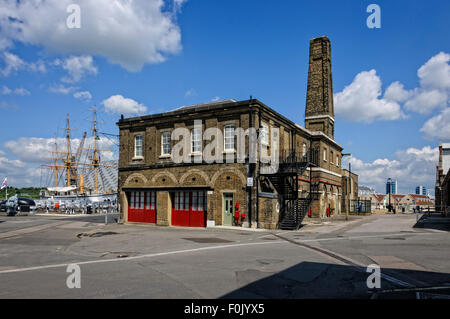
[{"x": 133, "y": 261}]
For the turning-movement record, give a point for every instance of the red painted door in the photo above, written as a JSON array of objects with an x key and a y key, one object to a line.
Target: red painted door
[
  {"x": 142, "y": 207},
  {"x": 149, "y": 213},
  {"x": 188, "y": 209},
  {"x": 197, "y": 212}
]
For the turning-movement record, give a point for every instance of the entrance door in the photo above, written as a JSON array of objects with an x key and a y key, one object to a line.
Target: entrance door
[
  {"x": 228, "y": 210},
  {"x": 189, "y": 209},
  {"x": 142, "y": 207}
]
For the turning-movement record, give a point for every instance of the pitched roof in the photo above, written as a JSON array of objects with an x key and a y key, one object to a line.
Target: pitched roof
[
  {"x": 418, "y": 196},
  {"x": 424, "y": 202}
]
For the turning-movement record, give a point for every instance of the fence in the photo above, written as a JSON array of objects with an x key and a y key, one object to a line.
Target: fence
[{"x": 360, "y": 206}]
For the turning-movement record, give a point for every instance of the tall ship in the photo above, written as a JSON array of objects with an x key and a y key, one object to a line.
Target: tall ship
[{"x": 75, "y": 174}]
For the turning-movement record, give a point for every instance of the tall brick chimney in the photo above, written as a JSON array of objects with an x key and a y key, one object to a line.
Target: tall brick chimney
[{"x": 319, "y": 111}]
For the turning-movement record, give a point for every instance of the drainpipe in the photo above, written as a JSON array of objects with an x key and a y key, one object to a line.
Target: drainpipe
[
  {"x": 250, "y": 167},
  {"x": 259, "y": 171}
]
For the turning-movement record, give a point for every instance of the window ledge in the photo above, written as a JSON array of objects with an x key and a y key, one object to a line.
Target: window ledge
[
  {"x": 196, "y": 154},
  {"x": 138, "y": 158},
  {"x": 165, "y": 156},
  {"x": 229, "y": 152}
]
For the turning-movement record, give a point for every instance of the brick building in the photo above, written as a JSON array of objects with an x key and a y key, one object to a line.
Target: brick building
[
  {"x": 274, "y": 177},
  {"x": 442, "y": 189}
]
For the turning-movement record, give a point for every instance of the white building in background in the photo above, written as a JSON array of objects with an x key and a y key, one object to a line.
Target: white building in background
[{"x": 366, "y": 190}]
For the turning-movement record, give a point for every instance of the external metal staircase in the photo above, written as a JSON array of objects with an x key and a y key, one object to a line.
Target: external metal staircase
[{"x": 285, "y": 181}]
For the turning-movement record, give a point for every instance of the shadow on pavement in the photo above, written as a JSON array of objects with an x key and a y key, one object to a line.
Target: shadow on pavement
[
  {"x": 433, "y": 221},
  {"x": 322, "y": 281}
]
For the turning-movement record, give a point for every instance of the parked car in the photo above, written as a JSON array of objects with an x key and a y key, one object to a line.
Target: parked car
[
  {"x": 3, "y": 206},
  {"x": 16, "y": 204},
  {"x": 26, "y": 205}
]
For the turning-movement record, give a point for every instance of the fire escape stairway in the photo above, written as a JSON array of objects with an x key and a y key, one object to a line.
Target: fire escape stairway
[{"x": 292, "y": 208}]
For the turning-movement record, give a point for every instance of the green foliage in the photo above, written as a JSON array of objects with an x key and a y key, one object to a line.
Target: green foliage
[{"x": 29, "y": 192}]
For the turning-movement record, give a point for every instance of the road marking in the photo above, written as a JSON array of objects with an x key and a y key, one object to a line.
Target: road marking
[
  {"x": 346, "y": 260},
  {"x": 100, "y": 261},
  {"x": 361, "y": 237},
  {"x": 192, "y": 250}
]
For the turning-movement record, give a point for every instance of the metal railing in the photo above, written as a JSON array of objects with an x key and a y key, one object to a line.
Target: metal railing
[{"x": 360, "y": 206}]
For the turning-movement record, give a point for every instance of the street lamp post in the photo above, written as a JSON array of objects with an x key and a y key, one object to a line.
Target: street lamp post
[
  {"x": 349, "y": 183},
  {"x": 389, "y": 188}
]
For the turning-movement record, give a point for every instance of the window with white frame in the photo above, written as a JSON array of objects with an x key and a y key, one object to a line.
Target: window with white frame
[
  {"x": 165, "y": 143},
  {"x": 324, "y": 154},
  {"x": 264, "y": 131},
  {"x": 196, "y": 140},
  {"x": 332, "y": 157},
  {"x": 138, "y": 146},
  {"x": 304, "y": 149},
  {"x": 337, "y": 160},
  {"x": 229, "y": 138}
]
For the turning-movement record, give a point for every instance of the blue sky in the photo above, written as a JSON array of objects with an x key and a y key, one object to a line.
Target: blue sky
[{"x": 187, "y": 52}]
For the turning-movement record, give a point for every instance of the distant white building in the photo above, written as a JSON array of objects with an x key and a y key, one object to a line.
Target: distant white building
[{"x": 366, "y": 190}]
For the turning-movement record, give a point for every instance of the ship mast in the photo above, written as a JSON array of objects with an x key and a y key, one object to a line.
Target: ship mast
[
  {"x": 68, "y": 159},
  {"x": 55, "y": 167},
  {"x": 71, "y": 161},
  {"x": 95, "y": 158}
]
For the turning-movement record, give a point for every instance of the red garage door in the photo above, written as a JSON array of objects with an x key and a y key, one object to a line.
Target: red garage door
[
  {"x": 189, "y": 209},
  {"x": 142, "y": 207}
]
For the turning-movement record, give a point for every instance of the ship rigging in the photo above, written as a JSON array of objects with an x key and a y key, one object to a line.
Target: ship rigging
[{"x": 82, "y": 173}]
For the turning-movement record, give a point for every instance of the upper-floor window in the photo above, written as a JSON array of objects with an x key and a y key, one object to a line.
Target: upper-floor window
[
  {"x": 304, "y": 149},
  {"x": 196, "y": 140},
  {"x": 264, "y": 131},
  {"x": 138, "y": 146},
  {"x": 337, "y": 160},
  {"x": 165, "y": 143},
  {"x": 324, "y": 154},
  {"x": 331, "y": 157},
  {"x": 229, "y": 138}
]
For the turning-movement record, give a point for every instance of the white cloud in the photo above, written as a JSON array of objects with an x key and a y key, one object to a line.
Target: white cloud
[
  {"x": 33, "y": 151},
  {"x": 438, "y": 126},
  {"x": 6, "y": 90},
  {"x": 8, "y": 106},
  {"x": 61, "y": 89},
  {"x": 435, "y": 73},
  {"x": 11, "y": 168},
  {"x": 396, "y": 92},
  {"x": 120, "y": 105},
  {"x": 38, "y": 66},
  {"x": 84, "y": 95},
  {"x": 109, "y": 28},
  {"x": 19, "y": 91},
  {"x": 78, "y": 67},
  {"x": 190, "y": 93},
  {"x": 411, "y": 167},
  {"x": 40, "y": 150},
  {"x": 12, "y": 63},
  {"x": 423, "y": 101},
  {"x": 360, "y": 101}
]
